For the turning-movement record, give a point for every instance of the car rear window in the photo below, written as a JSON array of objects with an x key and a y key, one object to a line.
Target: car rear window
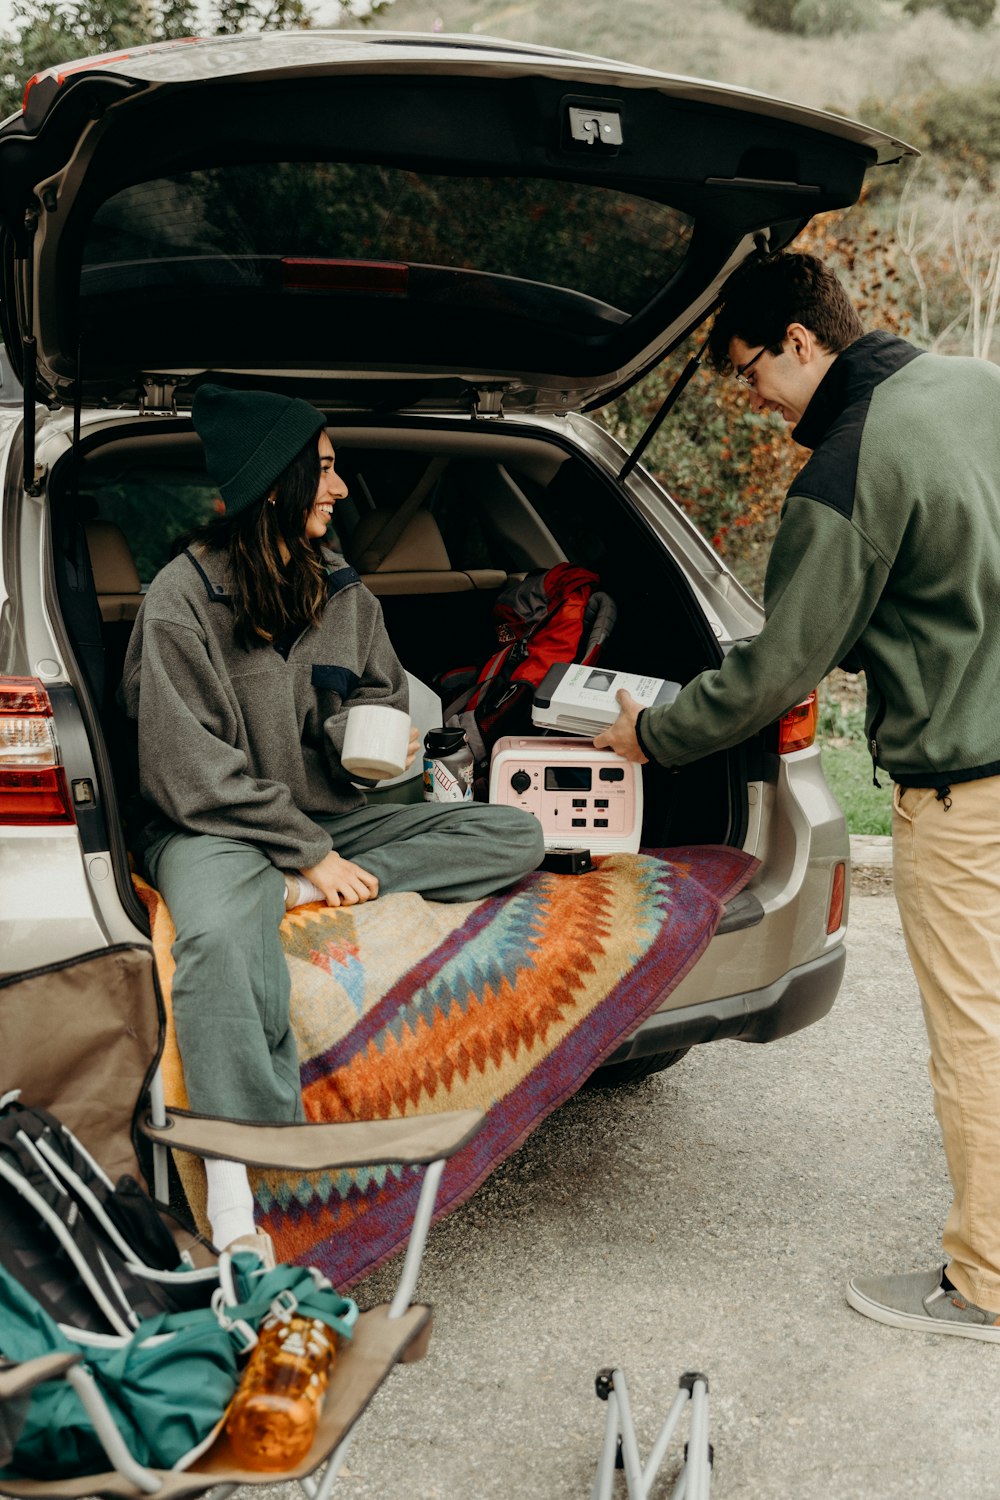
[{"x": 238, "y": 228}]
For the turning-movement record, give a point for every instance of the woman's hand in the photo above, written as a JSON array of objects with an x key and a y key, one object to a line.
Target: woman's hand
[
  {"x": 342, "y": 883},
  {"x": 413, "y": 746}
]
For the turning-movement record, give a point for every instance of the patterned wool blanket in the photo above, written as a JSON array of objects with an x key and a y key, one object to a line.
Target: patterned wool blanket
[{"x": 403, "y": 1006}]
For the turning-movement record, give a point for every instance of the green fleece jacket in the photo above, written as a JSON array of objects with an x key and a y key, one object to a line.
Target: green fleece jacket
[
  {"x": 888, "y": 550},
  {"x": 242, "y": 742}
]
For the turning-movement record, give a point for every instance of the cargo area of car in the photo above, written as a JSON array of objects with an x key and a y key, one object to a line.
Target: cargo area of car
[{"x": 440, "y": 515}]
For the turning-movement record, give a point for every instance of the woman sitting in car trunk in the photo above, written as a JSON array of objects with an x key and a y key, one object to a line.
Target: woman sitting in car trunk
[{"x": 247, "y": 653}]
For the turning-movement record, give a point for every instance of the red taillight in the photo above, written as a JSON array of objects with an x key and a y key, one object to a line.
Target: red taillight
[
  {"x": 835, "y": 918},
  {"x": 797, "y": 728},
  {"x": 34, "y": 797},
  {"x": 33, "y": 786},
  {"x": 24, "y": 695}
]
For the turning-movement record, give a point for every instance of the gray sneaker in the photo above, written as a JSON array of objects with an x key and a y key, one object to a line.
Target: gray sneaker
[{"x": 919, "y": 1301}]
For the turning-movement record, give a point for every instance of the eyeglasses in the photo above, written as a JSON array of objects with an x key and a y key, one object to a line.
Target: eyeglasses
[{"x": 742, "y": 371}]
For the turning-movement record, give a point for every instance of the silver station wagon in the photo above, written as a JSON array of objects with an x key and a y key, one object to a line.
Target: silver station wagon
[{"x": 455, "y": 248}]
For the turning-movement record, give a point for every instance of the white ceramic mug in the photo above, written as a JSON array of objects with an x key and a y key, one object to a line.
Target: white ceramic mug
[{"x": 375, "y": 741}]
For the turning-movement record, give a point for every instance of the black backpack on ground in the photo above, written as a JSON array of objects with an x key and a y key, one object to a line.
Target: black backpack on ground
[{"x": 94, "y": 1254}]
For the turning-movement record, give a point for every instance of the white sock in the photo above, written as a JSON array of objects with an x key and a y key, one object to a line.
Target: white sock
[
  {"x": 230, "y": 1202},
  {"x": 299, "y": 889}
]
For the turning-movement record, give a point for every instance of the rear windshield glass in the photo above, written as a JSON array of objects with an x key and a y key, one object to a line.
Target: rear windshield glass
[{"x": 228, "y": 227}]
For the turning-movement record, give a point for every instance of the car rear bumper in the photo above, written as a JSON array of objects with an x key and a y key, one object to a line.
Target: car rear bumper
[{"x": 798, "y": 998}]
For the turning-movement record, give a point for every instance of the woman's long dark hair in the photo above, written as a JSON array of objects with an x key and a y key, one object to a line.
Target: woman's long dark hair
[{"x": 269, "y": 596}]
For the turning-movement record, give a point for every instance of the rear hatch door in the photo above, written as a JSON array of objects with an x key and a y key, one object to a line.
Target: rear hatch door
[{"x": 385, "y": 221}]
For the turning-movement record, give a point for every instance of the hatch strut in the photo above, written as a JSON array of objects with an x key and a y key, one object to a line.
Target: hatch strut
[
  {"x": 77, "y": 415},
  {"x": 760, "y": 243},
  {"x": 672, "y": 397},
  {"x": 32, "y": 482}
]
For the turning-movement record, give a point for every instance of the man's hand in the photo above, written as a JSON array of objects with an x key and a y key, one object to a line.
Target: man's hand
[
  {"x": 413, "y": 746},
  {"x": 621, "y": 736},
  {"x": 342, "y": 883}
]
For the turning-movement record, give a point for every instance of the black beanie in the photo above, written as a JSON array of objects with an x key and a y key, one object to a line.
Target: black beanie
[{"x": 250, "y": 438}]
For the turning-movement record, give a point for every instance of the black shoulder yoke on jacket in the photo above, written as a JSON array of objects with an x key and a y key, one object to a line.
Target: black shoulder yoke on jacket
[{"x": 834, "y": 420}]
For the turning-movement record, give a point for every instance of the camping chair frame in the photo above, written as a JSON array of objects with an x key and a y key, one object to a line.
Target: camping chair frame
[
  {"x": 123, "y": 978},
  {"x": 620, "y": 1449}
]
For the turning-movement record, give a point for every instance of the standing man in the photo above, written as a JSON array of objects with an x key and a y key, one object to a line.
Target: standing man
[{"x": 888, "y": 549}]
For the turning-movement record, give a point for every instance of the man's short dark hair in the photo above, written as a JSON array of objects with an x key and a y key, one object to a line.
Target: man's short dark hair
[{"x": 769, "y": 293}]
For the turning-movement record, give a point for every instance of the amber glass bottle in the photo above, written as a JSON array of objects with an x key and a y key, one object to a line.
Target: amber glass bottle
[{"x": 273, "y": 1418}]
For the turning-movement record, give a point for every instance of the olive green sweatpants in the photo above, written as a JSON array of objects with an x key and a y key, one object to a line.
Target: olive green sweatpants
[{"x": 231, "y": 986}]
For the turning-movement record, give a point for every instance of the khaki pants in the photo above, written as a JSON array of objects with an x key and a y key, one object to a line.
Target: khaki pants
[{"x": 946, "y": 867}]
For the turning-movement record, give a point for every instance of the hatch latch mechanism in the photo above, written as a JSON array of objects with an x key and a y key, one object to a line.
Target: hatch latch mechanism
[
  {"x": 159, "y": 393},
  {"x": 487, "y": 400},
  {"x": 594, "y": 129}
]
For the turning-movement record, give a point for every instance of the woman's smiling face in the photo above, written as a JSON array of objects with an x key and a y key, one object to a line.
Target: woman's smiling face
[{"x": 330, "y": 489}]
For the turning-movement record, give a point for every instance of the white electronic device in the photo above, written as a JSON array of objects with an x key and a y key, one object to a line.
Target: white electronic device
[
  {"x": 581, "y": 796},
  {"x": 573, "y": 698}
]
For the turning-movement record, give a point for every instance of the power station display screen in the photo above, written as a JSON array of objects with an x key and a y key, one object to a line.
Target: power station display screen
[{"x": 567, "y": 778}]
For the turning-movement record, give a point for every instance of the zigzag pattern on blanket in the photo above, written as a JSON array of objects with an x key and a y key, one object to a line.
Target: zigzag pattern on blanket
[
  {"x": 507, "y": 1004},
  {"x": 504, "y": 987}
]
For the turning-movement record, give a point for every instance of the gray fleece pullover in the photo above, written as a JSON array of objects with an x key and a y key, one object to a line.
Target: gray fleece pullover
[{"x": 241, "y": 742}]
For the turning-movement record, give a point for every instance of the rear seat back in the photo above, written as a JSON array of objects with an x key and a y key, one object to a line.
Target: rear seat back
[
  {"x": 116, "y": 578},
  {"x": 417, "y": 562},
  {"x": 119, "y": 594},
  {"x": 436, "y": 614}
]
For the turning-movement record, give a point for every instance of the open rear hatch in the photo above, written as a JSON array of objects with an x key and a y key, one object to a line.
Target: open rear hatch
[{"x": 389, "y": 221}]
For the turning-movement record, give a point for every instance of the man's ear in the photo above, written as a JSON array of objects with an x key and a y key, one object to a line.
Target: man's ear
[{"x": 803, "y": 344}]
